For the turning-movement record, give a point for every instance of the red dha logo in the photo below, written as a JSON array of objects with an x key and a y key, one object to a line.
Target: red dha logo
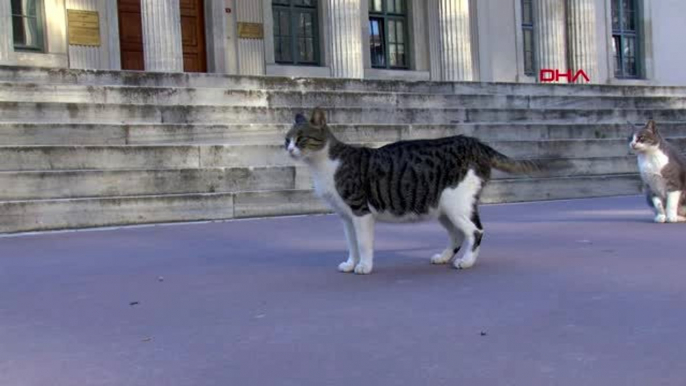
[{"x": 549, "y": 75}]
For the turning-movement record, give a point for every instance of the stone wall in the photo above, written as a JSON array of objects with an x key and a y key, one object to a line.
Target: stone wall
[{"x": 449, "y": 40}]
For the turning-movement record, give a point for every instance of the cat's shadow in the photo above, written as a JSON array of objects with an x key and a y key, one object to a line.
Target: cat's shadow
[
  {"x": 396, "y": 265},
  {"x": 609, "y": 220}
]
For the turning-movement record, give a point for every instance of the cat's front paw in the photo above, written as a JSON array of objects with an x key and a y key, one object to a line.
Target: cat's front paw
[
  {"x": 441, "y": 258},
  {"x": 464, "y": 263},
  {"x": 675, "y": 218},
  {"x": 660, "y": 218},
  {"x": 347, "y": 266},
  {"x": 363, "y": 268}
]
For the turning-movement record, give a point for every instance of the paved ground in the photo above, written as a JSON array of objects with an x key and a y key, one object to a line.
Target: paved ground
[{"x": 566, "y": 293}]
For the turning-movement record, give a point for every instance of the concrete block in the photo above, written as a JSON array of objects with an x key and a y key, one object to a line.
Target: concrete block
[
  {"x": 104, "y": 183},
  {"x": 244, "y": 155},
  {"x": 518, "y": 190},
  {"x": 23, "y": 216},
  {"x": 99, "y": 157},
  {"x": 263, "y": 204}
]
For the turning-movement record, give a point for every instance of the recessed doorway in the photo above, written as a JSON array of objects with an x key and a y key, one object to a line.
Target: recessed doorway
[{"x": 192, "y": 35}]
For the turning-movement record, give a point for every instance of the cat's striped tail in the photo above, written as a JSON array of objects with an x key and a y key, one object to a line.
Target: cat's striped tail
[{"x": 506, "y": 164}]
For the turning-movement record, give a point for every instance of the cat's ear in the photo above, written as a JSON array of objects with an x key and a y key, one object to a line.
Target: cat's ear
[
  {"x": 318, "y": 118},
  {"x": 300, "y": 119},
  {"x": 651, "y": 126}
]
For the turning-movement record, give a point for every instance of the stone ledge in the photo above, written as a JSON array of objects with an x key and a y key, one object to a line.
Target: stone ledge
[
  {"x": 24, "y": 216},
  {"x": 40, "y": 215},
  {"x": 134, "y": 78}
]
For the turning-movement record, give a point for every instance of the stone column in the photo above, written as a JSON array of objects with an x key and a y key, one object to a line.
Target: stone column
[
  {"x": 6, "y": 40},
  {"x": 162, "y": 35},
  {"x": 216, "y": 27},
  {"x": 549, "y": 35},
  {"x": 251, "y": 55},
  {"x": 582, "y": 38},
  {"x": 435, "y": 50},
  {"x": 456, "y": 40},
  {"x": 345, "y": 30}
]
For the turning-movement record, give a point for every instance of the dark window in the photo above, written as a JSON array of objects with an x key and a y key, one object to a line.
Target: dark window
[
  {"x": 27, "y": 25},
  {"x": 388, "y": 41},
  {"x": 626, "y": 39},
  {"x": 528, "y": 35},
  {"x": 296, "y": 38}
]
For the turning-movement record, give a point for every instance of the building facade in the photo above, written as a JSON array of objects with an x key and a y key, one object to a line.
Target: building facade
[{"x": 611, "y": 41}]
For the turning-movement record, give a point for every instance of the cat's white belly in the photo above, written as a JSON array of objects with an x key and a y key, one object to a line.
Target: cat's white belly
[
  {"x": 650, "y": 165},
  {"x": 405, "y": 218}
]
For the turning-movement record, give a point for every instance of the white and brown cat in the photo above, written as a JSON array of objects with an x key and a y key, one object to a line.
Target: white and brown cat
[{"x": 663, "y": 171}]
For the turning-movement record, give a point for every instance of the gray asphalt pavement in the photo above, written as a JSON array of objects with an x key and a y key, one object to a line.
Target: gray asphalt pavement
[{"x": 586, "y": 292}]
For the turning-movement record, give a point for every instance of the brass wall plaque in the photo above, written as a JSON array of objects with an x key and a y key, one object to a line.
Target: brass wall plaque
[
  {"x": 250, "y": 31},
  {"x": 84, "y": 28}
]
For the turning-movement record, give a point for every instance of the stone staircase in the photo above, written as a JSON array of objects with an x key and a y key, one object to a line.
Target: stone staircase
[{"x": 98, "y": 148}]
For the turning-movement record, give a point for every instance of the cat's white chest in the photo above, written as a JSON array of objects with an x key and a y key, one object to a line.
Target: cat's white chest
[
  {"x": 650, "y": 165},
  {"x": 323, "y": 172}
]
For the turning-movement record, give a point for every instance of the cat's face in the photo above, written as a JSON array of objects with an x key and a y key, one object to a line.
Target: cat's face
[
  {"x": 645, "y": 139},
  {"x": 307, "y": 138}
]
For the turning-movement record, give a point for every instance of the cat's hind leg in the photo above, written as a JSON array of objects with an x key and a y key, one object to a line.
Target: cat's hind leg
[
  {"x": 681, "y": 211},
  {"x": 353, "y": 251},
  {"x": 456, "y": 239},
  {"x": 473, "y": 230},
  {"x": 364, "y": 235},
  {"x": 672, "y": 207},
  {"x": 460, "y": 206}
]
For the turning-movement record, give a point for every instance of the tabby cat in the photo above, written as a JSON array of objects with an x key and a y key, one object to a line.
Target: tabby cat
[
  {"x": 663, "y": 171},
  {"x": 404, "y": 181}
]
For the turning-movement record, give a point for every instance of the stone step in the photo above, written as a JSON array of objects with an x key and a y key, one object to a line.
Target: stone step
[
  {"x": 188, "y": 80},
  {"x": 539, "y": 189},
  {"x": 100, "y": 157},
  {"x": 103, "y": 183},
  {"x": 32, "y": 216},
  {"x": 43, "y": 158},
  {"x": 30, "y": 92},
  {"x": 583, "y": 167},
  {"x": 31, "y": 185},
  {"x": 42, "y": 215},
  {"x": 117, "y": 113},
  {"x": 40, "y": 134}
]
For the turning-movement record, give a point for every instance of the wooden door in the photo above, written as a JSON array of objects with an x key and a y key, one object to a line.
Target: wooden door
[
  {"x": 193, "y": 35},
  {"x": 131, "y": 35}
]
